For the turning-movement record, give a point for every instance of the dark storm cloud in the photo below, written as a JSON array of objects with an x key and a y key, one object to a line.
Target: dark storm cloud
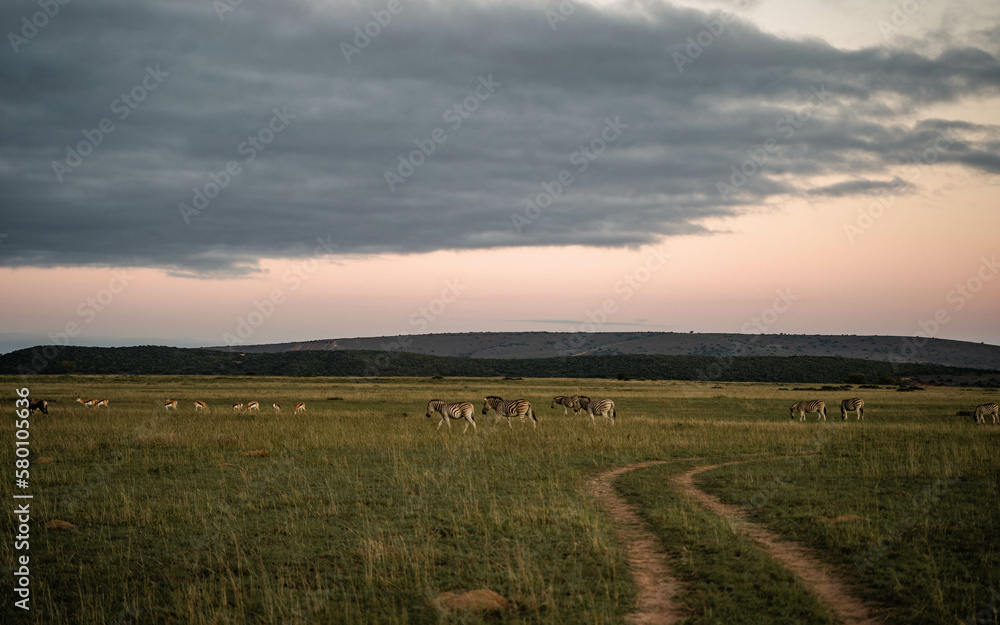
[{"x": 297, "y": 125}]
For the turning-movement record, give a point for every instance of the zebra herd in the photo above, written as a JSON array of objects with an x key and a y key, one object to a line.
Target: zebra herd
[
  {"x": 854, "y": 404},
  {"x": 520, "y": 408}
]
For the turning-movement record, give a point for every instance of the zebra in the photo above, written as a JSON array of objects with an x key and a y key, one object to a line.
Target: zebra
[
  {"x": 566, "y": 401},
  {"x": 808, "y": 406},
  {"x": 200, "y": 405},
  {"x": 855, "y": 404},
  {"x": 986, "y": 409},
  {"x": 170, "y": 404},
  {"x": 512, "y": 408},
  {"x": 603, "y": 407},
  {"x": 449, "y": 410},
  {"x": 300, "y": 407}
]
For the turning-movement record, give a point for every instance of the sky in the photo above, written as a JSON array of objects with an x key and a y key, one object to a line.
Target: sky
[{"x": 208, "y": 172}]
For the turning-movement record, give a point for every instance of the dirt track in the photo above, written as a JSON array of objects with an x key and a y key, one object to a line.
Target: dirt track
[
  {"x": 649, "y": 567},
  {"x": 652, "y": 574}
]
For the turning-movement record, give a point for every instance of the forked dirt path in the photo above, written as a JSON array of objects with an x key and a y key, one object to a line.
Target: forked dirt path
[
  {"x": 648, "y": 563},
  {"x": 816, "y": 576}
]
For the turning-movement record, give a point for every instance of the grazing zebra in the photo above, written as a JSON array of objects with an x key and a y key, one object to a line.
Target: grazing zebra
[
  {"x": 852, "y": 405},
  {"x": 200, "y": 405},
  {"x": 300, "y": 407},
  {"x": 238, "y": 407},
  {"x": 809, "y": 406},
  {"x": 253, "y": 406},
  {"x": 448, "y": 411},
  {"x": 170, "y": 404},
  {"x": 566, "y": 401},
  {"x": 276, "y": 407},
  {"x": 89, "y": 403},
  {"x": 986, "y": 409},
  {"x": 101, "y": 402},
  {"x": 512, "y": 408},
  {"x": 41, "y": 404},
  {"x": 603, "y": 407}
]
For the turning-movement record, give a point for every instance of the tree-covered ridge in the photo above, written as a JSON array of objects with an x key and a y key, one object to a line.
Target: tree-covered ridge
[{"x": 151, "y": 360}]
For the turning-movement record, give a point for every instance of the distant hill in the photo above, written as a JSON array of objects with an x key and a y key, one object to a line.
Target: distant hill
[
  {"x": 146, "y": 360},
  {"x": 560, "y": 344}
]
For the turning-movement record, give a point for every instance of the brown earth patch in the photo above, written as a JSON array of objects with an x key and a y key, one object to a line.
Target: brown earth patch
[
  {"x": 256, "y": 452},
  {"x": 647, "y": 561},
  {"x": 816, "y": 575},
  {"x": 477, "y": 600},
  {"x": 56, "y": 524}
]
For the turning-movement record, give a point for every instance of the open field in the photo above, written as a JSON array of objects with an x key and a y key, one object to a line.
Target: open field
[{"x": 362, "y": 512}]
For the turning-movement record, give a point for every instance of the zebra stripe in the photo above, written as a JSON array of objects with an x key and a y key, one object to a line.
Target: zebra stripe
[
  {"x": 986, "y": 409},
  {"x": 452, "y": 410},
  {"x": 603, "y": 407},
  {"x": 855, "y": 404},
  {"x": 512, "y": 408},
  {"x": 809, "y": 406}
]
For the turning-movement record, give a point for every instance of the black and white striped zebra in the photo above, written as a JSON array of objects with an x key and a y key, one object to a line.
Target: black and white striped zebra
[
  {"x": 855, "y": 404},
  {"x": 803, "y": 407},
  {"x": 566, "y": 401},
  {"x": 986, "y": 409},
  {"x": 449, "y": 410},
  {"x": 603, "y": 407},
  {"x": 512, "y": 408}
]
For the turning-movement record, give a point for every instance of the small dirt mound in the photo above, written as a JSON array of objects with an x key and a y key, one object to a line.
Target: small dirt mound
[
  {"x": 478, "y": 600},
  {"x": 256, "y": 452},
  {"x": 56, "y": 524}
]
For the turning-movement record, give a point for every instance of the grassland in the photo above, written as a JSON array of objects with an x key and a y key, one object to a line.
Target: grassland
[{"x": 361, "y": 512}]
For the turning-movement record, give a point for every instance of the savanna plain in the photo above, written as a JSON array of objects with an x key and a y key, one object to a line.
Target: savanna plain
[{"x": 360, "y": 510}]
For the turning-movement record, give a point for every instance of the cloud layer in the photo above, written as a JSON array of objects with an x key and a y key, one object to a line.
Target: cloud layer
[{"x": 216, "y": 135}]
